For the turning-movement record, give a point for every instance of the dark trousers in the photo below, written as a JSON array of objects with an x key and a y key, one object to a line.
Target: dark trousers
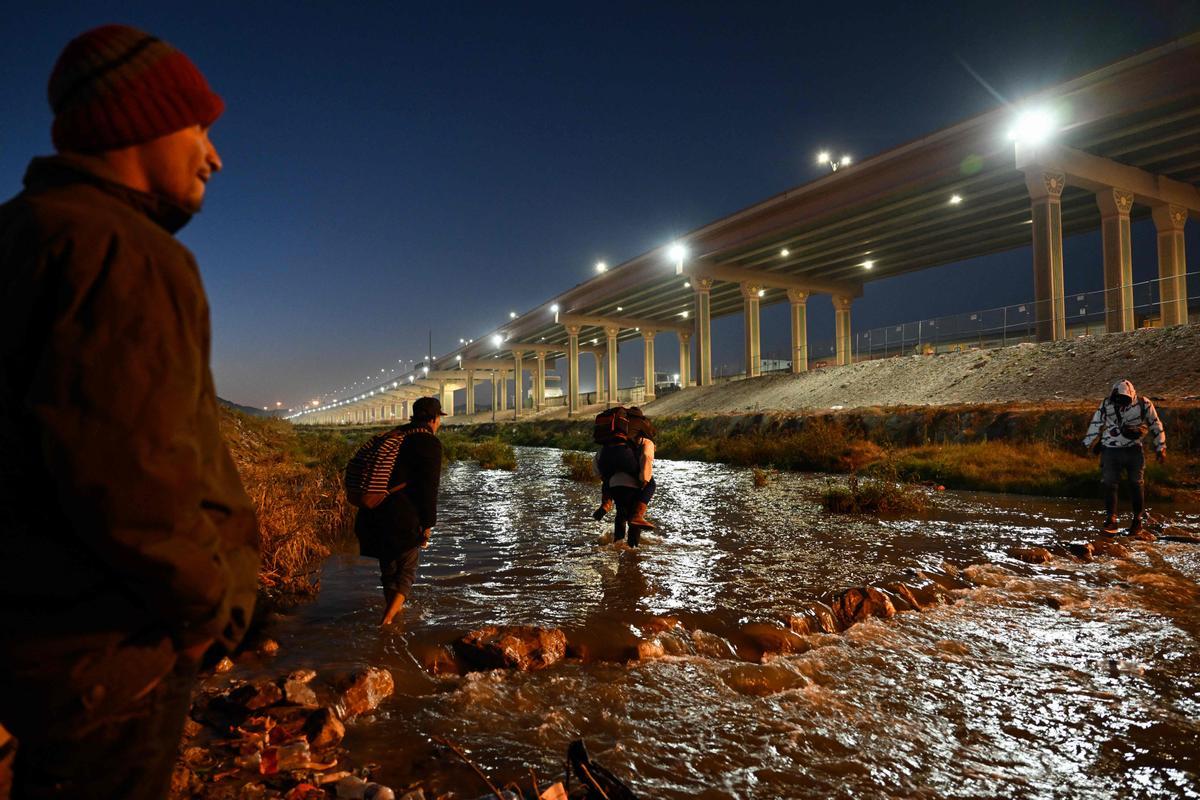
[
  {"x": 1115, "y": 461},
  {"x": 625, "y": 499},
  {"x": 398, "y": 572},
  {"x": 129, "y": 754}
]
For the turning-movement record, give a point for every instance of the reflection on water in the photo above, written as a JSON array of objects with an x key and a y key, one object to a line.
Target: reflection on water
[{"x": 1065, "y": 680}]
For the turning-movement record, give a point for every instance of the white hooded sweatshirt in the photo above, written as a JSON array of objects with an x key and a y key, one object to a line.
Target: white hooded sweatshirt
[{"x": 1108, "y": 419}]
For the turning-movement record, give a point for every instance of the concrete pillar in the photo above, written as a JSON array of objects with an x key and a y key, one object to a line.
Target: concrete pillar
[
  {"x": 1045, "y": 194},
  {"x": 841, "y": 328},
  {"x": 572, "y": 369},
  {"x": 447, "y": 399},
  {"x": 405, "y": 414},
  {"x": 470, "y": 391},
  {"x": 648, "y": 361},
  {"x": 1172, "y": 264},
  {"x": 610, "y": 335},
  {"x": 539, "y": 387},
  {"x": 502, "y": 383},
  {"x": 753, "y": 347},
  {"x": 518, "y": 384},
  {"x": 703, "y": 287},
  {"x": 1115, "y": 206},
  {"x": 799, "y": 302},
  {"x": 685, "y": 360},
  {"x": 599, "y": 376}
]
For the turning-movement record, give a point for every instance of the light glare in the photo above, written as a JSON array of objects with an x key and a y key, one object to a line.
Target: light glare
[{"x": 1032, "y": 127}]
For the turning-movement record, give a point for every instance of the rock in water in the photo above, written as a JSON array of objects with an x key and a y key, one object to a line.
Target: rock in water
[
  {"x": 522, "y": 647},
  {"x": 323, "y": 729},
  {"x": 1031, "y": 555},
  {"x": 364, "y": 690}
]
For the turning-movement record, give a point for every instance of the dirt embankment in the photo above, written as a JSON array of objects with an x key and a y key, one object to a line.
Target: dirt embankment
[{"x": 1162, "y": 363}]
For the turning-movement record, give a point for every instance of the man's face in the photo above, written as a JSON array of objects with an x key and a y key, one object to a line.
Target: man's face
[
  {"x": 434, "y": 424},
  {"x": 177, "y": 166}
]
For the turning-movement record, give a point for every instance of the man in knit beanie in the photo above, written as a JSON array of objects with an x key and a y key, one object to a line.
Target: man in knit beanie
[{"x": 128, "y": 547}]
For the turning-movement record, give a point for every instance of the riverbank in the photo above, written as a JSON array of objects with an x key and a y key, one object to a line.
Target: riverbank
[{"x": 1004, "y": 448}]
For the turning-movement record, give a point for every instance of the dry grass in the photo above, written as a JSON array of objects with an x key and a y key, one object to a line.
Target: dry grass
[
  {"x": 872, "y": 496},
  {"x": 294, "y": 478},
  {"x": 579, "y": 466}
]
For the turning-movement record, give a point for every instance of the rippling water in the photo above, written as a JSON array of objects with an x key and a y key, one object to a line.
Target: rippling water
[{"x": 1062, "y": 680}]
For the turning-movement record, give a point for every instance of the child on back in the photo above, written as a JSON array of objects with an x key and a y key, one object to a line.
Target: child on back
[{"x": 625, "y": 464}]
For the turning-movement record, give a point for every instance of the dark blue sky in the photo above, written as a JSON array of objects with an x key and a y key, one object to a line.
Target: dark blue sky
[{"x": 394, "y": 168}]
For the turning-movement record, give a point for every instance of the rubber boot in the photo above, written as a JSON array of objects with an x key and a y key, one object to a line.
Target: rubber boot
[
  {"x": 1110, "y": 525},
  {"x": 604, "y": 508},
  {"x": 1135, "y": 526},
  {"x": 638, "y": 520}
]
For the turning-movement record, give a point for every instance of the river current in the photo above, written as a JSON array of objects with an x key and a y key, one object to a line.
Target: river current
[{"x": 1067, "y": 679}]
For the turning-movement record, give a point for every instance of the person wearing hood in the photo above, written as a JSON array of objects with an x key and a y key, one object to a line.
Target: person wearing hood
[
  {"x": 1118, "y": 428},
  {"x": 128, "y": 547}
]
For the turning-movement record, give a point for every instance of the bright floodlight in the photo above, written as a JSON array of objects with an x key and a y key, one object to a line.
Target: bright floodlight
[
  {"x": 785, "y": 252},
  {"x": 497, "y": 340},
  {"x": 601, "y": 266},
  {"x": 426, "y": 370},
  {"x": 868, "y": 264},
  {"x": 845, "y": 161},
  {"x": 823, "y": 157},
  {"x": 554, "y": 308},
  {"x": 955, "y": 199},
  {"x": 683, "y": 314},
  {"x": 1032, "y": 127},
  {"x": 677, "y": 252},
  {"x": 458, "y": 357},
  {"x": 512, "y": 315},
  {"x": 762, "y": 292}
]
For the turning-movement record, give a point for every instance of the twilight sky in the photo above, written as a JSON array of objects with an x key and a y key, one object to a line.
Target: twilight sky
[{"x": 396, "y": 168}]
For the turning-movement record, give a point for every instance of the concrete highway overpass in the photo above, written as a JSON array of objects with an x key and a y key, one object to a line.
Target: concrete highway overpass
[{"x": 1088, "y": 155}]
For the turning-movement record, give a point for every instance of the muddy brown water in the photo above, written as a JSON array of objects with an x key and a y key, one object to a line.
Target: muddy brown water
[{"x": 1061, "y": 680}]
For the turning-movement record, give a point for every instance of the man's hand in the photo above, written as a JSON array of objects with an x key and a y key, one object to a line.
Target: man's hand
[
  {"x": 425, "y": 534},
  {"x": 1161, "y": 456}
]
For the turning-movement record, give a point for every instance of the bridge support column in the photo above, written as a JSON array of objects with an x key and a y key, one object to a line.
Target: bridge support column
[
  {"x": 1172, "y": 264},
  {"x": 572, "y": 369},
  {"x": 539, "y": 384},
  {"x": 1115, "y": 206},
  {"x": 703, "y": 287},
  {"x": 750, "y": 308},
  {"x": 502, "y": 387},
  {"x": 685, "y": 360},
  {"x": 610, "y": 349},
  {"x": 841, "y": 325},
  {"x": 1045, "y": 192},
  {"x": 470, "y": 391},
  {"x": 447, "y": 399},
  {"x": 518, "y": 384},
  {"x": 648, "y": 362},
  {"x": 799, "y": 303}
]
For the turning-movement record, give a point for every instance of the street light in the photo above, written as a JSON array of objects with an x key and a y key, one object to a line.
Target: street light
[
  {"x": 825, "y": 159},
  {"x": 497, "y": 340},
  {"x": 677, "y": 252},
  {"x": 1032, "y": 127},
  {"x": 601, "y": 266}
]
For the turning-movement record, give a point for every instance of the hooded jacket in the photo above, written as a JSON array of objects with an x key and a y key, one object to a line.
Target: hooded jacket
[
  {"x": 1109, "y": 417},
  {"x": 121, "y": 511}
]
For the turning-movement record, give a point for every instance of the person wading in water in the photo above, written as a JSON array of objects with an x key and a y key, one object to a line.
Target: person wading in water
[
  {"x": 1117, "y": 430},
  {"x": 625, "y": 464}
]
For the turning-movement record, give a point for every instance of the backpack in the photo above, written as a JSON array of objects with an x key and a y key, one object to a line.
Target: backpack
[
  {"x": 1128, "y": 430},
  {"x": 369, "y": 470},
  {"x": 639, "y": 424},
  {"x": 612, "y": 426}
]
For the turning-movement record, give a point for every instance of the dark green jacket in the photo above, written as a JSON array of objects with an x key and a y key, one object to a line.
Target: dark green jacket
[{"x": 121, "y": 511}]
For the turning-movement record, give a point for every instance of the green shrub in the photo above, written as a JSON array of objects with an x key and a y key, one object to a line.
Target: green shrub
[{"x": 494, "y": 454}]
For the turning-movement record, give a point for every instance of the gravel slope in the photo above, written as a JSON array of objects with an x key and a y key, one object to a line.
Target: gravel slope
[{"x": 1161, "y": 363}]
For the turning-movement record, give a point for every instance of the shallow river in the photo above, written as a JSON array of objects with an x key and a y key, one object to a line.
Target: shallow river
[{"x": 1062, "y": 680}]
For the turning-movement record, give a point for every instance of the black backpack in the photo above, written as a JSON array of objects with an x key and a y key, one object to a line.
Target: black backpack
[{"x": 369, "y": 471}]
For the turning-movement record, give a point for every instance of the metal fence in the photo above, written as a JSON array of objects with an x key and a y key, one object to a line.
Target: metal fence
[{"x": 1086, "y": 314}]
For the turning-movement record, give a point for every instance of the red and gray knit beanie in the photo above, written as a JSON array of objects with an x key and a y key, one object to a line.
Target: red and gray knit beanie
[{"x": 116, "y": 86}]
